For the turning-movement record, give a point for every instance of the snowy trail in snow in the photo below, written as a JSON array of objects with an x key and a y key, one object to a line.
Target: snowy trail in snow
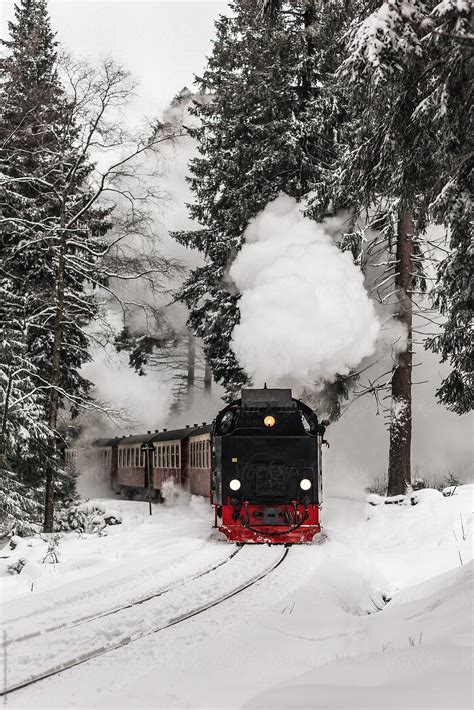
[{"x": 80, "y": 644}]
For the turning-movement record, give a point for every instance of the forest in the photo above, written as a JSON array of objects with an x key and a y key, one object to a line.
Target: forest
[{"x": 348, "y": 121}]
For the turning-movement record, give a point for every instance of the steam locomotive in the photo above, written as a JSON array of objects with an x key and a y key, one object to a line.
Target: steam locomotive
[{"x": 259, "y": 463}]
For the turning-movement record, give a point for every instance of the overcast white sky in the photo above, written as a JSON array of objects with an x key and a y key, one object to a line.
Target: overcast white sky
[{"x": 162, "y": 42}]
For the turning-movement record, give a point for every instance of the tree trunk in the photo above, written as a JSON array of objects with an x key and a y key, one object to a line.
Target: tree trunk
[
  {"x": 55, "y": 373},
  {"x": 399, "y": 464},
  {"x": 191, "y": 374},
  {"x": 207, "y": 378}
]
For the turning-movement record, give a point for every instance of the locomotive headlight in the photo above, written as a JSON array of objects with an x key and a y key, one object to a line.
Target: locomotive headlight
[
  {"x": 269, "y": 420},
  {"x": 235, "y": 484},
  {"x": 305, "y": 484}
]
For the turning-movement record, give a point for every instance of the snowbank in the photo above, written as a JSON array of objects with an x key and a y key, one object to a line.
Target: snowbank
[
  {"x": 376, "y": 617},
  {"x": 81, "y": 556}
]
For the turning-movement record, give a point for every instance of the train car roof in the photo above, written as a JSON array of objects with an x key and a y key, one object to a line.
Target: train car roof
[
  {"x": 136, "y": 439},
  {"x": 171, "y": 435},
  {"x": 184, "y": 433}
]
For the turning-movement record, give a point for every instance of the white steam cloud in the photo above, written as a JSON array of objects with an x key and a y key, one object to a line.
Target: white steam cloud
[
  {"x": 305, "y": 314},
  {"x": 143, "y": 402}
]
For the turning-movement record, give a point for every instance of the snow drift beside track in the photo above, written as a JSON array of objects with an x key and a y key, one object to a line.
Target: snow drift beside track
[{"x": 305, "y": 315}]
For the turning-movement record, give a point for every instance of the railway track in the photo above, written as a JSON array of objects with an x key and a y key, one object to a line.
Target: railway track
[
  {"x": 83, "y": 657},
  {"x": 136, "y": 602},
  {"x": 127, "y": 584}
]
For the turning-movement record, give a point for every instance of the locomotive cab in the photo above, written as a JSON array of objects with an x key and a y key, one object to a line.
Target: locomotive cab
[{"x": 266, "y": 474}]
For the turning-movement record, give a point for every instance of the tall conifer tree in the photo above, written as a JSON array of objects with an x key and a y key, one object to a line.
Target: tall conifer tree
[
  {"x": 448, "y": 106},
  {"x": 269, "y": 125},
  {"x": 402, "y": 162},
  {"x": 51, "y": 227}
]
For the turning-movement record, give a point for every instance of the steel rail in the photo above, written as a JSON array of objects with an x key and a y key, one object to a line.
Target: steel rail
[
  {"x": 92, "y": 617},
  {"x": 84, "y": 658}
]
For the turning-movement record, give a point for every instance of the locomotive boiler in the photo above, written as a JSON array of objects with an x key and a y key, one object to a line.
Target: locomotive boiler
[{"x": 266, "y": 468}]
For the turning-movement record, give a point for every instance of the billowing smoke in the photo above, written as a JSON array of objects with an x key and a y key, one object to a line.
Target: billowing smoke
[
  {"x": 305, "y": 315},
  {"x": 142, "y": 403}
]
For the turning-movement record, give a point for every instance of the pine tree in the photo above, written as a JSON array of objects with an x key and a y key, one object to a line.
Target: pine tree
[
  {"x": 25, "y": 440},
  {"x": 393, "y": 164},
  {"x": 387, "y": 169},
  {"x": 447, "y": 105},
  {"x": 51, "y": 228},
  {"x": 269, "y": 124}
]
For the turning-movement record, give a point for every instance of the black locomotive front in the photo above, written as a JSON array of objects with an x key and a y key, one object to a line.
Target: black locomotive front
[{"x": 266, "y": 477}]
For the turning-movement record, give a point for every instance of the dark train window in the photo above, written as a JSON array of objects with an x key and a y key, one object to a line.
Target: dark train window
[{"x": 173, "y": 461}]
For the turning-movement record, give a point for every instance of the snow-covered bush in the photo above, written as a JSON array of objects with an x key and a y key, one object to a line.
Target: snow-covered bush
[
  {"x": 52, "y": 553},
  {"x": 86, "y": 517},
  {"x": 16, "y": 566}
]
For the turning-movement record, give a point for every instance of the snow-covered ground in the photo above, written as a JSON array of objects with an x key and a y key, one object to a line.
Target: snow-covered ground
[{"x": 317, "y": 632}]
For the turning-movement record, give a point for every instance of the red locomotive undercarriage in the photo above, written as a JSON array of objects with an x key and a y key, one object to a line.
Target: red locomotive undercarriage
[{"x": 294, "y": 523}]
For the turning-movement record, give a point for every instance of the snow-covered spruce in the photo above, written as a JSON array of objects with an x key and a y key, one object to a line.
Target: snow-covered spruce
[{"x": 270, "y": 124}]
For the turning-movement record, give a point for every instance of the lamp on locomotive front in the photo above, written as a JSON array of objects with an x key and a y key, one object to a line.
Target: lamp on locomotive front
[{"x": 269, "y": 421}]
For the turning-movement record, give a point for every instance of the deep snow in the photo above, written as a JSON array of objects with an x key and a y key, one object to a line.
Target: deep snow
[{"x": 317, "y": 632}]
